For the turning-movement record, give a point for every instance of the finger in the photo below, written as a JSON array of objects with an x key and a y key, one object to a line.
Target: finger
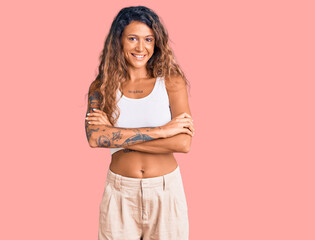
[
  {"x": 185, "y": 115},
  {"x": 99, "y": 123},
  {"x": 101, "y": 113},
  {"x": 96, "y": 110},
  {"x": 92, "y": 118},
  {"x": 104, "y": 118},
  {"x": 184, "y": 120},
  {"x": 192, "y": 130},
  {"x": 182, "y": 115},
  {"x": 188, "y": 132},
  {"x": 103, "y": 121},
  {"x": 190, "y": 127},
  {"x": 95, "y": 123},
  {"x": 106, "y": 122},
  {"x": 93, "y": 114}
]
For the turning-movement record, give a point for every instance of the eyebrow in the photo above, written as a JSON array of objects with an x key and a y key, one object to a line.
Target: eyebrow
[{"x": 137, "y": 35}]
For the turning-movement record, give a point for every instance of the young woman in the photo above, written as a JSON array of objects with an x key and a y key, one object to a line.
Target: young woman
[{"x": 138, "y": 107}]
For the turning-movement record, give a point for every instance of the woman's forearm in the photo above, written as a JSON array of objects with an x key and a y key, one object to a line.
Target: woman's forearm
[
  {"x": 112, "y": 137},
  {"x": 178, "y": 143}
]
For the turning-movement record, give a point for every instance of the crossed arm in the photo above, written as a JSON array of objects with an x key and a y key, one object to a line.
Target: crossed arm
[
  {"x": 177, "y": 143},
  {"x": 148, "y": 139},
  {"x": 111, "y": 137}
]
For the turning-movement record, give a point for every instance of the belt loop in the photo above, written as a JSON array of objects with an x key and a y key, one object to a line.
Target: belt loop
[
  {"x": 164, "y": 183},
  {"x": 117, "y": 182}
]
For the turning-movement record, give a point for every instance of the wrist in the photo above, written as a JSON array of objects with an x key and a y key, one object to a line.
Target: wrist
[
  {"x": 162, "y": 132},
  {"x": 158, "y": 132}
]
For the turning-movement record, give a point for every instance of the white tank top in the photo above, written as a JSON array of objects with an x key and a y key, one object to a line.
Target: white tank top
[{"x": 150, "y": 111}]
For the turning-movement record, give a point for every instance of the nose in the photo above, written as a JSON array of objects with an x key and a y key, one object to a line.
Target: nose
[{"x": 139, "y": 46}]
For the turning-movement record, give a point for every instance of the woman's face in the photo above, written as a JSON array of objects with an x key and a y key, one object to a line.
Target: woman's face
[{"x": 137, "y": 44}]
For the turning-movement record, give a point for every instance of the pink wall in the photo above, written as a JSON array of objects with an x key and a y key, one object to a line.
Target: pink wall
[{"x": 250, "y": 172}]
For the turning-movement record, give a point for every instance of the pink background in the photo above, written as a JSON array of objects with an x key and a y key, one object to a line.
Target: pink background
[{"x": 250, "y": 172}]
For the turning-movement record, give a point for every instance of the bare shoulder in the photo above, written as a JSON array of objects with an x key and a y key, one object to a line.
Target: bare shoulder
[{"x": 175, "y": 83}]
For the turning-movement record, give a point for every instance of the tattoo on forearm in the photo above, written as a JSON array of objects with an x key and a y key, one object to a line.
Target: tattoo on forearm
[
  {"x": 116, "y": 136},
  {"x": 139, "y": 137},
  {"x": 112, "y": 138},
  {"x": 89, "y": 132},
  {"x": 105, "y": 141}
]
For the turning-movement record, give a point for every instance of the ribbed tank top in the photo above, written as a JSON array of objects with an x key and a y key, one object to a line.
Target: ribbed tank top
[{"x": 152, "y": 110}]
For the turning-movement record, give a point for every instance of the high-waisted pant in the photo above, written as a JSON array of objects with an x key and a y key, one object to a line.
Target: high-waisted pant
[{"x": 144, "y": 208}]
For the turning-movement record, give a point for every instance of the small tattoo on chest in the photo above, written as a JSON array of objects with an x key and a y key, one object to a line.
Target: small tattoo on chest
[{"x": 136, "y": 91}]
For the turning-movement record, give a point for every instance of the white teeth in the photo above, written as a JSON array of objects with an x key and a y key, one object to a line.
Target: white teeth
[{"x": 138, "y": 55}]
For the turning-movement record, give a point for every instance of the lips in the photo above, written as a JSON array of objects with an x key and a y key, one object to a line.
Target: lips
[{"x": 138, "y": 56}]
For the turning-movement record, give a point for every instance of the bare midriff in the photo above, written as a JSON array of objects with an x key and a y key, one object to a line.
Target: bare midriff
[{"x": 137, "y": 164}]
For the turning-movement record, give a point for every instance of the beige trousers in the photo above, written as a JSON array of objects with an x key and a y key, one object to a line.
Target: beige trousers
[{"x": 144, "y": 208}]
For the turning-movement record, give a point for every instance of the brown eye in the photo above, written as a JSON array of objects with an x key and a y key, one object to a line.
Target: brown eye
[
  {"x": 131, "y": 38},
  {"x": 149, "y": 39}
]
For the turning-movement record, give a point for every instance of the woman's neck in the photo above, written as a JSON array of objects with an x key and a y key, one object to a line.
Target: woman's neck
[{"x": 137, "y": 74}]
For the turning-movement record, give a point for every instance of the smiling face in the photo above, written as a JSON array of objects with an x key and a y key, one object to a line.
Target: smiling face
[{"x": 137, "y": 44}]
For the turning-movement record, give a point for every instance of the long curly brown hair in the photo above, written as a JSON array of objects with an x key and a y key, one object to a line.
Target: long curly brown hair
[{"x": 112, "y": 71}]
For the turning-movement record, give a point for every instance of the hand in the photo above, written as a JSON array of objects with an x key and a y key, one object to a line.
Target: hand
[
  {"x": 97, "y": 117},
  {"x": 182, "y": 123}
]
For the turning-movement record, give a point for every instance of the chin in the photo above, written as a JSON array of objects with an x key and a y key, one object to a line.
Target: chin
[{"x": 140, "y": 65}]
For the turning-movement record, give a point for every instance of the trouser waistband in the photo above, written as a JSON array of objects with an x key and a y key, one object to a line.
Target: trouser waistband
[{"x": 164, "y": 181}]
